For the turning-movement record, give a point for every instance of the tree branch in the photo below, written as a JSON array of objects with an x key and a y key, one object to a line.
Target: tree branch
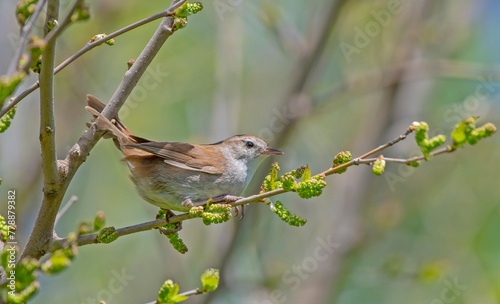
[
  {"x": 258, "y": 198},
  {"x": 48, "y": 211},
  {"x": 41, "y": 235},
  {"x": 89, "y": 46}
]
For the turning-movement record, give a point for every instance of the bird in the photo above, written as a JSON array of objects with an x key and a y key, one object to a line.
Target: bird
[{"x": 177, "y": 176}]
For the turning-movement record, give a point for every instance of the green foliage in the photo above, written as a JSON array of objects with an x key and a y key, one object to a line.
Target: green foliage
[
  {"x": 181, "y": 14},
  {"x": 169, "y": 293},
  {"x": 306, "y": 188},
  {"x": 216, "y": 214},
  {"x": 52, "y": 23},
  {"x": 209, "y": 280},
  {"x": 426, "y": 144},
  {"x": 188, "y": 9},
  {"x": 8, "y": 84},
  {"x": 99, "y": 220},
  {"x": 24, "y": 10},
  {"x": 87, "y": 227},
  {"x": 287, "y": 216},
  {"x": 60, "y": 259},
  {"x": 6, "y": 119},
  {"x": 36, "y": 46},
  {"x": 107, "y": 235},
  {"x": 4, "y": 229},
  {"x": 23, "y": 296},
  {"x": 23, "y": 285},
  {"x": 378, "y": 167},
  {"x": 466, "y": 132},
  {"x": 21, "y": 277},
  {"x": 271, "y": 181},
  {"x": 311, "y": 188},
  {"x": 341, "y": 158},
  {"x": 173, "y": 237},
  {"x": 81, "y": 13},
  {"x": 212, "y": 214}
]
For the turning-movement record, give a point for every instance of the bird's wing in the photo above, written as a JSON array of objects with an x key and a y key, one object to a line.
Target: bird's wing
[{"x": 183, "y": 155}]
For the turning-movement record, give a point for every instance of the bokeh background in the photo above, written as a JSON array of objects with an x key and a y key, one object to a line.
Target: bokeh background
[{"x": 312, "y": 78}]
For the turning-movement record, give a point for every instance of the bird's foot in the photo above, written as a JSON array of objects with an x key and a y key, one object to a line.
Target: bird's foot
[{"x": 167, "y": 214}]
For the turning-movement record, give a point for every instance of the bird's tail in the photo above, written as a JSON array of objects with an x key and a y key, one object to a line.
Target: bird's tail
[{"x": 116, "y": 129}]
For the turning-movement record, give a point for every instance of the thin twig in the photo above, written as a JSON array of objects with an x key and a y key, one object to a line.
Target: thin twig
[
  {"x": 23, "y": 37},
  {"x": 62, "y": 25},
  {"x": 73, "y": 199},
  {"x": 89, "y": 46},
  {"x": 193, "y": 292}
]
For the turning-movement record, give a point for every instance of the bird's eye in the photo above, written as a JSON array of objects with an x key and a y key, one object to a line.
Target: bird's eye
[{"x": 249, "y": 144}]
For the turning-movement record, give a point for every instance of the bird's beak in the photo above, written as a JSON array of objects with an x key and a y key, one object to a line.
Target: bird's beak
[{"x": 271, "y": 151}]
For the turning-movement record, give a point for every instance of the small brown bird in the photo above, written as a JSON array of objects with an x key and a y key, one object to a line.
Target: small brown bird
[{"x": 175, "y": 175}]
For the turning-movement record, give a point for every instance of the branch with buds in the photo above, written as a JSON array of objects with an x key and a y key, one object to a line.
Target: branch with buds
[{"x": 302, "y": 182}]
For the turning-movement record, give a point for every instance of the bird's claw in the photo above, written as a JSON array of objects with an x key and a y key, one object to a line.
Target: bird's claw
[{"x": 167, "y": 214}]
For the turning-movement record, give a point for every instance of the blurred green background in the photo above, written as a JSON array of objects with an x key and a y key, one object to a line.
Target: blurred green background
[{"x": 312, "y": 78}]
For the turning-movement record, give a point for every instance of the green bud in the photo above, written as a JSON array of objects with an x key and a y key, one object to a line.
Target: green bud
[
  {"x": 179, "y": 23},
  {"x": 271, "y": 181},
  {"x": 177, "y": 243},
  {"x": 82, "y": 12},
  {"x": 378, "y": 167},
  {"x": 51, "y": 24},
  {"x": 422, "y": 138},
  {"x": 24, "y": 10},
  {"x": 210, "y": 279},
  {"x": 307, "y": 174},
  {"x": 414, "y": 164},
  {"x": 287, "y": 216},
  {"x": 4, "y": 230},
  {"x": 85, "y": 228},
  {"x": 99, "y": 220},
  {"x": 311, "y": 188},
  {"x": 109, "y": 42},
  {"x": 486, "y": 130},
  {"x": 342, "y": 158},
  {"x": 8, "y": 85},
  {"x": 57, "y": 262},
  {"x": 462, "y": 131},
  {"x": 25, "y": 273},
  {"x": 288, "y": 182},
  {"x": 107, "y": 235},
  {"x": 196, "y": 211},
  {"x": 188, "y": 9},
  {"x": 23, "y": 296},
  {"x": 169, "y": 293}
]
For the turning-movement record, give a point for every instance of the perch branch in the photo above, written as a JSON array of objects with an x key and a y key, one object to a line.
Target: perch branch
[{"x": 257, "y": 198}]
